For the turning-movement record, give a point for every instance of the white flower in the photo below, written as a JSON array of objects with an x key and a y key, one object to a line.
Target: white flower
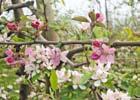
[
  {"x": 117, "y": 95},
  {"x": 10, "y": 87},
  {"x": 76, "y": 77},
  {"x": 63, "y": 75},
  {"x": 100, "y": 75},
  {"x": 4, "y": 38},
  {"x": 30, "y": 68}
]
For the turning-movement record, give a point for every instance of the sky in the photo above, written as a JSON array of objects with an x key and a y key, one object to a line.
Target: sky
[{"x": 82, "y": 7}]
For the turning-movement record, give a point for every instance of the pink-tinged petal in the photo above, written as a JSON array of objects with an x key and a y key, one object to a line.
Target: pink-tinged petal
[
  {"x": 103, "y": 59},
  {"x": 112, "y": 50},
  {"x": 110, "y": 58},
  {"x": 29, "y": 51},
  {"x": 64, "y": 56},
  {"x": 105, "y": 48},
  {"x": 9, "y": 52}
]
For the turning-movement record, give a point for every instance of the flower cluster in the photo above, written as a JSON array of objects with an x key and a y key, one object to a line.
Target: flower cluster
[
  {"x": 70, "y": 76},
  {"x": 11, "y": 58},
  {"x": 102, "y": 53},
  {"x": 100, "y": 74},
  {"x": 117, "y": 95},
  {"x": 43, "y": 57},
  {"x": 86, "y": 25}
]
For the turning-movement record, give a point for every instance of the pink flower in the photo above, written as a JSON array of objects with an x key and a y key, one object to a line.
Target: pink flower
[
  {"x": 107, "y": 54},
  {"x": 12, "y": 26},
  {"x": 10, "y": 60},
  {"x": 29, "y": 51},
  {"x": 97, "y": 43},
  {"x": 37, "y": 24},
  {"x": 99, "y": 17},
  {"x": 55, "y": 56},
  {"x": 102, "y": 52},
  {"x": 9, "y": 52},
  {"x": 95, "y": 56}
]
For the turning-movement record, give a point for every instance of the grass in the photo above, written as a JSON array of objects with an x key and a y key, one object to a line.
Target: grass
[{"x": 8, "y": 77}]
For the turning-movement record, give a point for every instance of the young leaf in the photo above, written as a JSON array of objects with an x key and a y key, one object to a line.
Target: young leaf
[
  {"x": 99, "y": 24},
  {"x": 80, "y": 19},
  {"x": 35, "y": 77},
  {"x": 92, "y": 16},
  {"x": 54, "y": 80},
  {"x": 85, "y": 78}
]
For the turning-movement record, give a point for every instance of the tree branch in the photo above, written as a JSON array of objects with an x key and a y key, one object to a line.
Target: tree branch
[
  {"x": 20, "y": 5},
  {"x": 114, "y": 44}
]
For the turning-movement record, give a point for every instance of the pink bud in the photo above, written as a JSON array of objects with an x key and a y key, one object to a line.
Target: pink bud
[
  {"x": 37, "y": 24},
  {"x": 99, "y": 17},
  {"x": 10, "y": 60},
  {"x": 95, "y": 56},
  {"x": 12, "y": 26},
  {"x": 97, "y": 43}
]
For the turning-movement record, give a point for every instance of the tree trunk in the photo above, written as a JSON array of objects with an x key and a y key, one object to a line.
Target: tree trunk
[
  {"x": 17, "y": 12},
  {"x": 49, "y": 17}
]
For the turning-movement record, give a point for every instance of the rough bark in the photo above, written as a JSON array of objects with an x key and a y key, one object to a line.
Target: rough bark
[
  {"x": 17, "y": 12},
  {"x": 46, "y": 7}
]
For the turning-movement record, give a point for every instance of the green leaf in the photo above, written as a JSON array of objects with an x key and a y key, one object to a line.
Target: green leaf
[
  {"x": 24, "y": 18},
  {"x": 131, "y": 91},
  {"x": 80, "y": 18},
  {"x": 137, "y": 91},
  {"x": 99, "y": 24},
  {"x": 1, "y": 27},
  {"x": 54, "y": 80},
  {"x": 92, "y": 16},
  {"x": 17, "y": 39},
  {"x": 35, "y": 77},
  {"x": 85, "y": 78}
]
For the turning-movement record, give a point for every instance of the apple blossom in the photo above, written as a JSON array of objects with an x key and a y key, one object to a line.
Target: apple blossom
[
  {"x": 95, "y": 56},
  {"x": 37, "y": 24},
  {"x": 12, "y": 26},
  {"x": 96, "y": 43},
  {"x": 10, "y": 60},
  {"x": 9, "y": 52},
  {"x": 99, "y": 17},
  {"x": 63, "y": 75},
  {"x": 100, "y": 74},
  {"x": 76, "y": 77},
  {"x": 117, "y": 95},
  {"x": 107, "y": 54},
  {"x": 102, "y": 53}
]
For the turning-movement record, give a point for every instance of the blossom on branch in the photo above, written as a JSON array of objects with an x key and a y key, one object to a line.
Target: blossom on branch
[
  {"x": 12, "y": 26},
  {"x": 102, "y": 53},
  {"x": 99, "y": 17},
  {"x": 37, "y": 24},
  {"x": 117, "y": 95}
]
